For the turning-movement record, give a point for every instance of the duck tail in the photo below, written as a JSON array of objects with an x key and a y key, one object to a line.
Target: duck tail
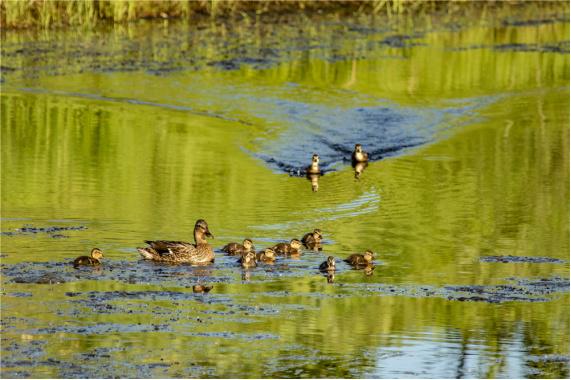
[{"x": 147, "y": 253}]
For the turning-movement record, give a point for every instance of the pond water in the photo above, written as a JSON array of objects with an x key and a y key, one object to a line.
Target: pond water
[{"x": 121, "y": 134}]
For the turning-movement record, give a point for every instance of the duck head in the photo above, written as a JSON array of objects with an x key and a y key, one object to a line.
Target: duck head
[
  {"x": 331, "y": 262},
  {"x": 358, "y": 148},
  {"x": 248, "y": 244},
  {"x": 369, "y": 255},
  {"x": 96, "y": 253},
  {"x": 295, "y": 244},
  {"x": 201, "y": 230},
  {"x": 249, "y": 259},
  {"x": 269, "y": 253},
  {"x": 317, "y": 235}
]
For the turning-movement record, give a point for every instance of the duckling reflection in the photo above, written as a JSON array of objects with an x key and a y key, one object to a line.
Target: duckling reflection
[
  {"x": 369, "y": 270},
  {"x": 359, "y": 168},
  {"x": 330, "y": 277},
  {"x": 246, "y": 275},
  {"x": 199, "y": 272},
  {"x": 314, "y": 179}
]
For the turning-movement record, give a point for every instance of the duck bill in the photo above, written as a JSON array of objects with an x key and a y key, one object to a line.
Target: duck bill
[{"x": 208, "y": 234}]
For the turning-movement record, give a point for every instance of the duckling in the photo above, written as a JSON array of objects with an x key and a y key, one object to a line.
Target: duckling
[
  {"x": 248, "y": 260},
  {"x": 329, "y": 265},
  {"x": 358, "y": 260},
  {"x": 267, "y": 256},
  {"x": 314, "y": 167},
  {"x": 238, "y": 249},
  {"x": 201, "y": 288},
  {"x": 359, "y": 155},
  {"x": 291, "y": 248},
  {"x": 312, "y": 237},
  {"x": 94, "y": 259}
]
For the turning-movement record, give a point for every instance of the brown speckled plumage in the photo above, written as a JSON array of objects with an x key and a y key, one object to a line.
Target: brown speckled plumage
[
  {"x": 238, "y": 249},
  {"x": 328, "y": 265},
  {"x": 248, "y": 260},
  {"x": 359, "y": 260},
  {"x": 291, "y": 248},
  {"x": 179, "y": 251},
  {"x": 93, "y": 260},
  {"x": 266, "y": 256}
]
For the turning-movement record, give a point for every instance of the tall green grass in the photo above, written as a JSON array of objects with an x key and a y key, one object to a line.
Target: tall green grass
[{"x": 54, "y": 13}]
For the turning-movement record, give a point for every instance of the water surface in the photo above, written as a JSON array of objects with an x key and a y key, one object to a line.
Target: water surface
[{"x": 146, "y": 128}]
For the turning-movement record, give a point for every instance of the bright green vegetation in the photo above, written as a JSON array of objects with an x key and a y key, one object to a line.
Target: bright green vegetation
[{"x": 133, "y": 156}]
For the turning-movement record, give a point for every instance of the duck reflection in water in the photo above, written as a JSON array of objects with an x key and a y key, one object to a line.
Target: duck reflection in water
[
  {"x": 369, "y": 270},
  {"x": 314, "y": 179},
  {"x": 359, "y": 168},
  {"x": 330, "y": 277},
  {"x": 246, "y": 275}
]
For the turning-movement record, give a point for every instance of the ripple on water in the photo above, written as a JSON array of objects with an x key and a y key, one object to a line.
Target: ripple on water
[{"x": 332, "y": 131}]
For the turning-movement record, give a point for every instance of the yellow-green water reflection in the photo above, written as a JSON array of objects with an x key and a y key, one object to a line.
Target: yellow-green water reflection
[{"x": 136, "y": 156}]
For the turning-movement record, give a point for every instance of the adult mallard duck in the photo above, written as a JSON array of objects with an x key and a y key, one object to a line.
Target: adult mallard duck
[
  {"x": 237, "y": 248},
  {"x": 199, "y": 253},
  {"x": 358, "y": 260},
  {"x": 359, "y": 155},
  {"x": 93, "y": 259},
  {"x": 291, "y": 248}
]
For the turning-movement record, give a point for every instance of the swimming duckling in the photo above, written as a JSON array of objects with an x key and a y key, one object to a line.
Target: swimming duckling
[
  {"x": 94, "y": 259},
  {"x": 201, "y": 288},
  {"x": 312, "y": 237},
  {"x": 267, "y": 256},
  {"x": 239, "y": 249},
  {"x": 358, "y": 154},
  {"x": 291, "y": 248},
  {"x": 248, "y": 260},
  {"x": 314, "y": 167},
  {"x": 359, "y": 260},
  {"x": 329, "y": 265}
]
